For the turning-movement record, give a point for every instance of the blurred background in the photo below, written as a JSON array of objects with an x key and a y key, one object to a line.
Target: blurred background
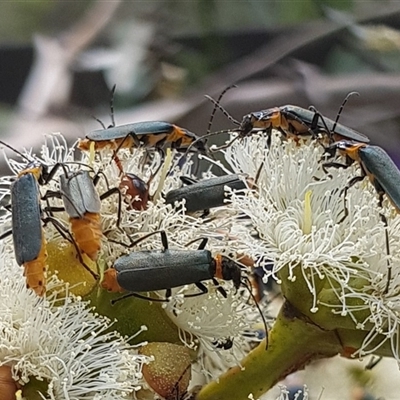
[{"x": 60, "y": 59}]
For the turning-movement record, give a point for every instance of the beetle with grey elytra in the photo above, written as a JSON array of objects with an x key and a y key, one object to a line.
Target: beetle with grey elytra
[
  {"x": 147, "y": 271},
  {"x": 381, "y": 171},
  {"x": 207, "y": 193},
  {"x": 149, "y": 134},
  {"x": 26, "y": 218},
  {"x": 374, "y": 163},
  {"x": 295, "y": 121},
  {"x": 28, "y": 235},
  {"x": 292, "y": 122},
  {"x": 82, "y": 204}
]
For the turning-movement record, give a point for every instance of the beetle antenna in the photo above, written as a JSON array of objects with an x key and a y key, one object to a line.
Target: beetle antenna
[
  {"x": 17, "y": 152},
  {"x": 209, "y": 133},
  {"x": 373, "y": 362},
  {"x": 112, "y": 106},
  {"x": 342, "y": 106},
  {"x": 99, "y": 121},
  {"x": 111, "y": 111},
  {"x": 217, "y": 105},
  {"x": 246, "y": 283}
]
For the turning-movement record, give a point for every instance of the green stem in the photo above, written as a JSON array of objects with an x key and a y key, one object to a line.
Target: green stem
[{"x": 293, "y": 343}]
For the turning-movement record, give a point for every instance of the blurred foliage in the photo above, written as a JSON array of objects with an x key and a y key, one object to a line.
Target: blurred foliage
[
  {"x": 205, "y": 26},
  {"x": 19, "y": 20},
  {"x": 213, "y": 15}
]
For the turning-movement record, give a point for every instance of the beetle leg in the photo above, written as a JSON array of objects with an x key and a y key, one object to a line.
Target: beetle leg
[
  {"x": 187, "y": 180},
  {"x": 314, "y": 123},
  {"x": 202, "y": 244},
  {"x": 333, "y": 165},
  {"x": 132, "y": 244},
  {"x": 174, "y": 394},
  {"x": 220, "y": 289},
  {"x": 7, "y": 207},
  {"x": 351, "y": 183},
  {"x": 4, "y": 235},
  {"x": 164, "y": 240},
  {"x": 51, "y": 174},
  {"x": 247, "y": 284},
  {"x": 135, "y": 138},
  {"x": 109, "y": 193},
  {"x": 385, "y": 222},
  {"x": 202, "y": 287},
  {"x": 300, "y": 121},
  {"x": 138, "y": 296},
  {"x": 373, "y": 362},
  {"x": 59, "y": 195},
  {"x": 49, "y": 209},
  {"x": 96, "y": 178}
]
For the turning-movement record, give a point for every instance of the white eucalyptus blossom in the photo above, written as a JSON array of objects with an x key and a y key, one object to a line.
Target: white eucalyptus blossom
[
  {"x": 297, "y": 225},
  {"x": 61, "y": 341}
]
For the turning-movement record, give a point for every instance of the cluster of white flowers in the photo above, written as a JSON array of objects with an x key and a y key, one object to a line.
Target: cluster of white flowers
[
  {"x": 297, "y": 230},
  {"x": 291, "y": 223},
  {"x": 62, "y": 342}
]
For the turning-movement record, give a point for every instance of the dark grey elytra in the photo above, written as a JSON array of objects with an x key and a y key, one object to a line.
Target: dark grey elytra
[
  {"x": 138, "y": 129},
  {"x": 147, "y": 271},
  {"x": 79, "y": 194},
  {"x": 26, "y": 218},
  {"x": 207, "y": 193},
  {"x": 384, "y": 172}
]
